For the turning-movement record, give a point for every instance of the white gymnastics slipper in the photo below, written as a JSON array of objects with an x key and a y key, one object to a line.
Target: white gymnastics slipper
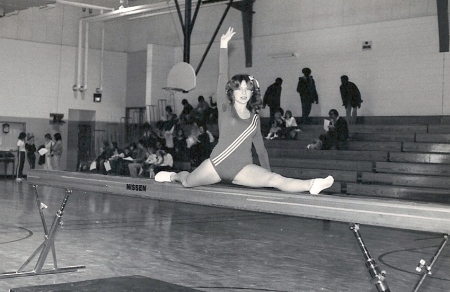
[
  {"x": 319, "y": 184},
  {"x": 163, "y": 176}
]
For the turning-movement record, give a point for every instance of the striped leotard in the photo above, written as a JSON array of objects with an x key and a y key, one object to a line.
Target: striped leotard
[{"x": 236, "y": 135}]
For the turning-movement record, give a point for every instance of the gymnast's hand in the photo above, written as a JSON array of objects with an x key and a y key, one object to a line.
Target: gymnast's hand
[{"x": 226, "y": 37}]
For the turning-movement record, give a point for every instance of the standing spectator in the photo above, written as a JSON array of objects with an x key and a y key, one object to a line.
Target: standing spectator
[
  {"x": 49, "y": 155},
  {"x": 202, "y": 111},
  {"x": 169, "y": 128},
  {"x": 185, "y": 116},
  {"x": 351, "y": 99},
  {"x": 308, "y": 94},
  {"x": 31, "y": 150},
  {"x": 57, "y": 151},
  {"x": 20, "y": 156},
  {"x": 337, "y": 134},
  {"x": 272, "y": 98}
]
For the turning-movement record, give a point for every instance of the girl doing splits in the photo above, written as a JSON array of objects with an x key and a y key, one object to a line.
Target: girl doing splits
[{"x": 239, "y": 128}]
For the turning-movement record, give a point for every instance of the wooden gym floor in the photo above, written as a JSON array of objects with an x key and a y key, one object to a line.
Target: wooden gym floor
[{"x": 206, "y": 248}]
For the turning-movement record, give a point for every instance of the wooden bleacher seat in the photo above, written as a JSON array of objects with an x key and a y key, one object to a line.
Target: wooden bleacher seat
[
  {"x": 400, "y": 137},
  {"x": 425, "y": 181},
  {"x": 398, "y": 192},
  {"x": 301, "y": 143},
  {"x": 353, "y": 155},
  {"x": 412, "y": 168},
  {"x": 419, "y": 157},
  {"x": 426, "y": 147},
  {"x": 329, "y": 164},
  {"x": 396, "y": 157},
  {"x": 433, "y": 138},
  {"x": 305, "y": 173},
  {"x": 408, "y": 128},
  {"x": 375, "y": 145},
  {"x": 438, "y": 129}
]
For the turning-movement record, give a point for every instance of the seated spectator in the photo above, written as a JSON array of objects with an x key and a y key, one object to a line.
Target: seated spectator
[
  {"x": 185, "y": 116},
  {"x": 337, "y": 134},
  {"x": 164, "y": 162},
  {"x": 137, "y": 163},
  {"x": 105, "y": 154},
  {"x": 149, "y": 162},
  {"x": 202, "y": 149},
  {"x": 180, "y": 146},
  {"x": 291, "y": 130},
  {"x": 170, "y": 117},
  {"x": 214, "y": 112},
  {"x": 192, "y": 137},
  {"x": 116, "y": 159},
  {"x": 149, "y": 137},
  {"x": 125, "y": 161},
  {"x": 202, "y": 111},
  {"x": 277, "y": 126}
]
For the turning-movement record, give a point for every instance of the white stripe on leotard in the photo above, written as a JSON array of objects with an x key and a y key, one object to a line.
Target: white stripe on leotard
[{"x": 236, "y": 143}]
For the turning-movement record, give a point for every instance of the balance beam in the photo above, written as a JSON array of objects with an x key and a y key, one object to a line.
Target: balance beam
[
  {"x": 419, "y": 216},
  {"x": 377, "y": 212}
]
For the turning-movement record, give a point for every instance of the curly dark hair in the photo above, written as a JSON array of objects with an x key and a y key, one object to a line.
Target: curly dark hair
[{"x": 255, "y": 102}]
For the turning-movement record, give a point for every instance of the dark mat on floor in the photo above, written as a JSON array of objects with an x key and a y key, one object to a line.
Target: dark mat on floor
[{"x": 116, "y": 284}]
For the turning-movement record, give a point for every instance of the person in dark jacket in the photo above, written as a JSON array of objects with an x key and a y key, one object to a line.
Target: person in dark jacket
[
  {"x": 185, "y": 116},
  {"x": 272, "y": 98},
  {"x": 306, "y": 87},
  {"x": 31, "y": 150},
  {"x": 337, "y": 134},
  {"x": 351, "y": 99}
]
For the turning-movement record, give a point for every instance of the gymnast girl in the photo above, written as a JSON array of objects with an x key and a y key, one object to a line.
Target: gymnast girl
[{"x": 239, "y": 128}]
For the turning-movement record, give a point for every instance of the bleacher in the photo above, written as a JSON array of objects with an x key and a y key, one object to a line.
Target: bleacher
[{"x": 394, "y": 157}]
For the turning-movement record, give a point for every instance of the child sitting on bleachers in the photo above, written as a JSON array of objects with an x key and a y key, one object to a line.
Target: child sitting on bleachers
[
  {"x": 277, "y": 126},
  {"x": 164, "y": 162},
  {"x": 291, "y": 130},
  {"x": 148, "y": 164}
]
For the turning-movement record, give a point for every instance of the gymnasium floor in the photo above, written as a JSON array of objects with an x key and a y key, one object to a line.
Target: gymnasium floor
[{"x": 206, "y": 248}]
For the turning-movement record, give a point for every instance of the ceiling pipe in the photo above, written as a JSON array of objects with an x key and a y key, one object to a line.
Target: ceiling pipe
[
  {"x": 100, "y": 86},
  {"x": 76, "y": 87},
  {"x": 83, "y": 5},
  {"x": 173, "y": 10},
  {"x": 129, "y": 11},
  {"x": 83, "y": 87},
  {"x": 114, "y": 14}
]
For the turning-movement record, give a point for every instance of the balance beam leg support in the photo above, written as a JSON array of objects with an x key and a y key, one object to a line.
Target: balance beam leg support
[
  {"x": 426, "y": 269},
  {"x": 377, "y": 275}
]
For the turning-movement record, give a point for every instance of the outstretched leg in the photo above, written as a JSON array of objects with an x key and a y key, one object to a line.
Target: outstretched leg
[
  {"x": 255, "y": 176},
  {"x": 204, "y": 174}
]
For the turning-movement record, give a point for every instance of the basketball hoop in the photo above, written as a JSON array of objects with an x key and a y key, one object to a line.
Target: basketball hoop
[{"x": 181, "y": 78}]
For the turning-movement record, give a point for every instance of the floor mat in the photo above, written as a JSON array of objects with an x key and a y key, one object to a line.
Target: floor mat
[{"x": 116, "y": 284}]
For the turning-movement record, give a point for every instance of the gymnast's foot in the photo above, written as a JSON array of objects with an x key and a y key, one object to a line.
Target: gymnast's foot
[
  {"x": 164, "y": 176},
  {"x": 319, "y": 184}
]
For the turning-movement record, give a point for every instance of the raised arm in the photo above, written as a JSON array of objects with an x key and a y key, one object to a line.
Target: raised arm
[{"x": 223, "y": 67}]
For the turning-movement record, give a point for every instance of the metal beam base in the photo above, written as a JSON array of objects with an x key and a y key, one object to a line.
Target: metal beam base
[
  {"x": 47, "y": 246},
  {"x": 42, "y": 272}
]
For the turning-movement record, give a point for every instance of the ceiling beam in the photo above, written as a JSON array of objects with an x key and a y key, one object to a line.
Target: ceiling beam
[{"x": 442, "y": 15}]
